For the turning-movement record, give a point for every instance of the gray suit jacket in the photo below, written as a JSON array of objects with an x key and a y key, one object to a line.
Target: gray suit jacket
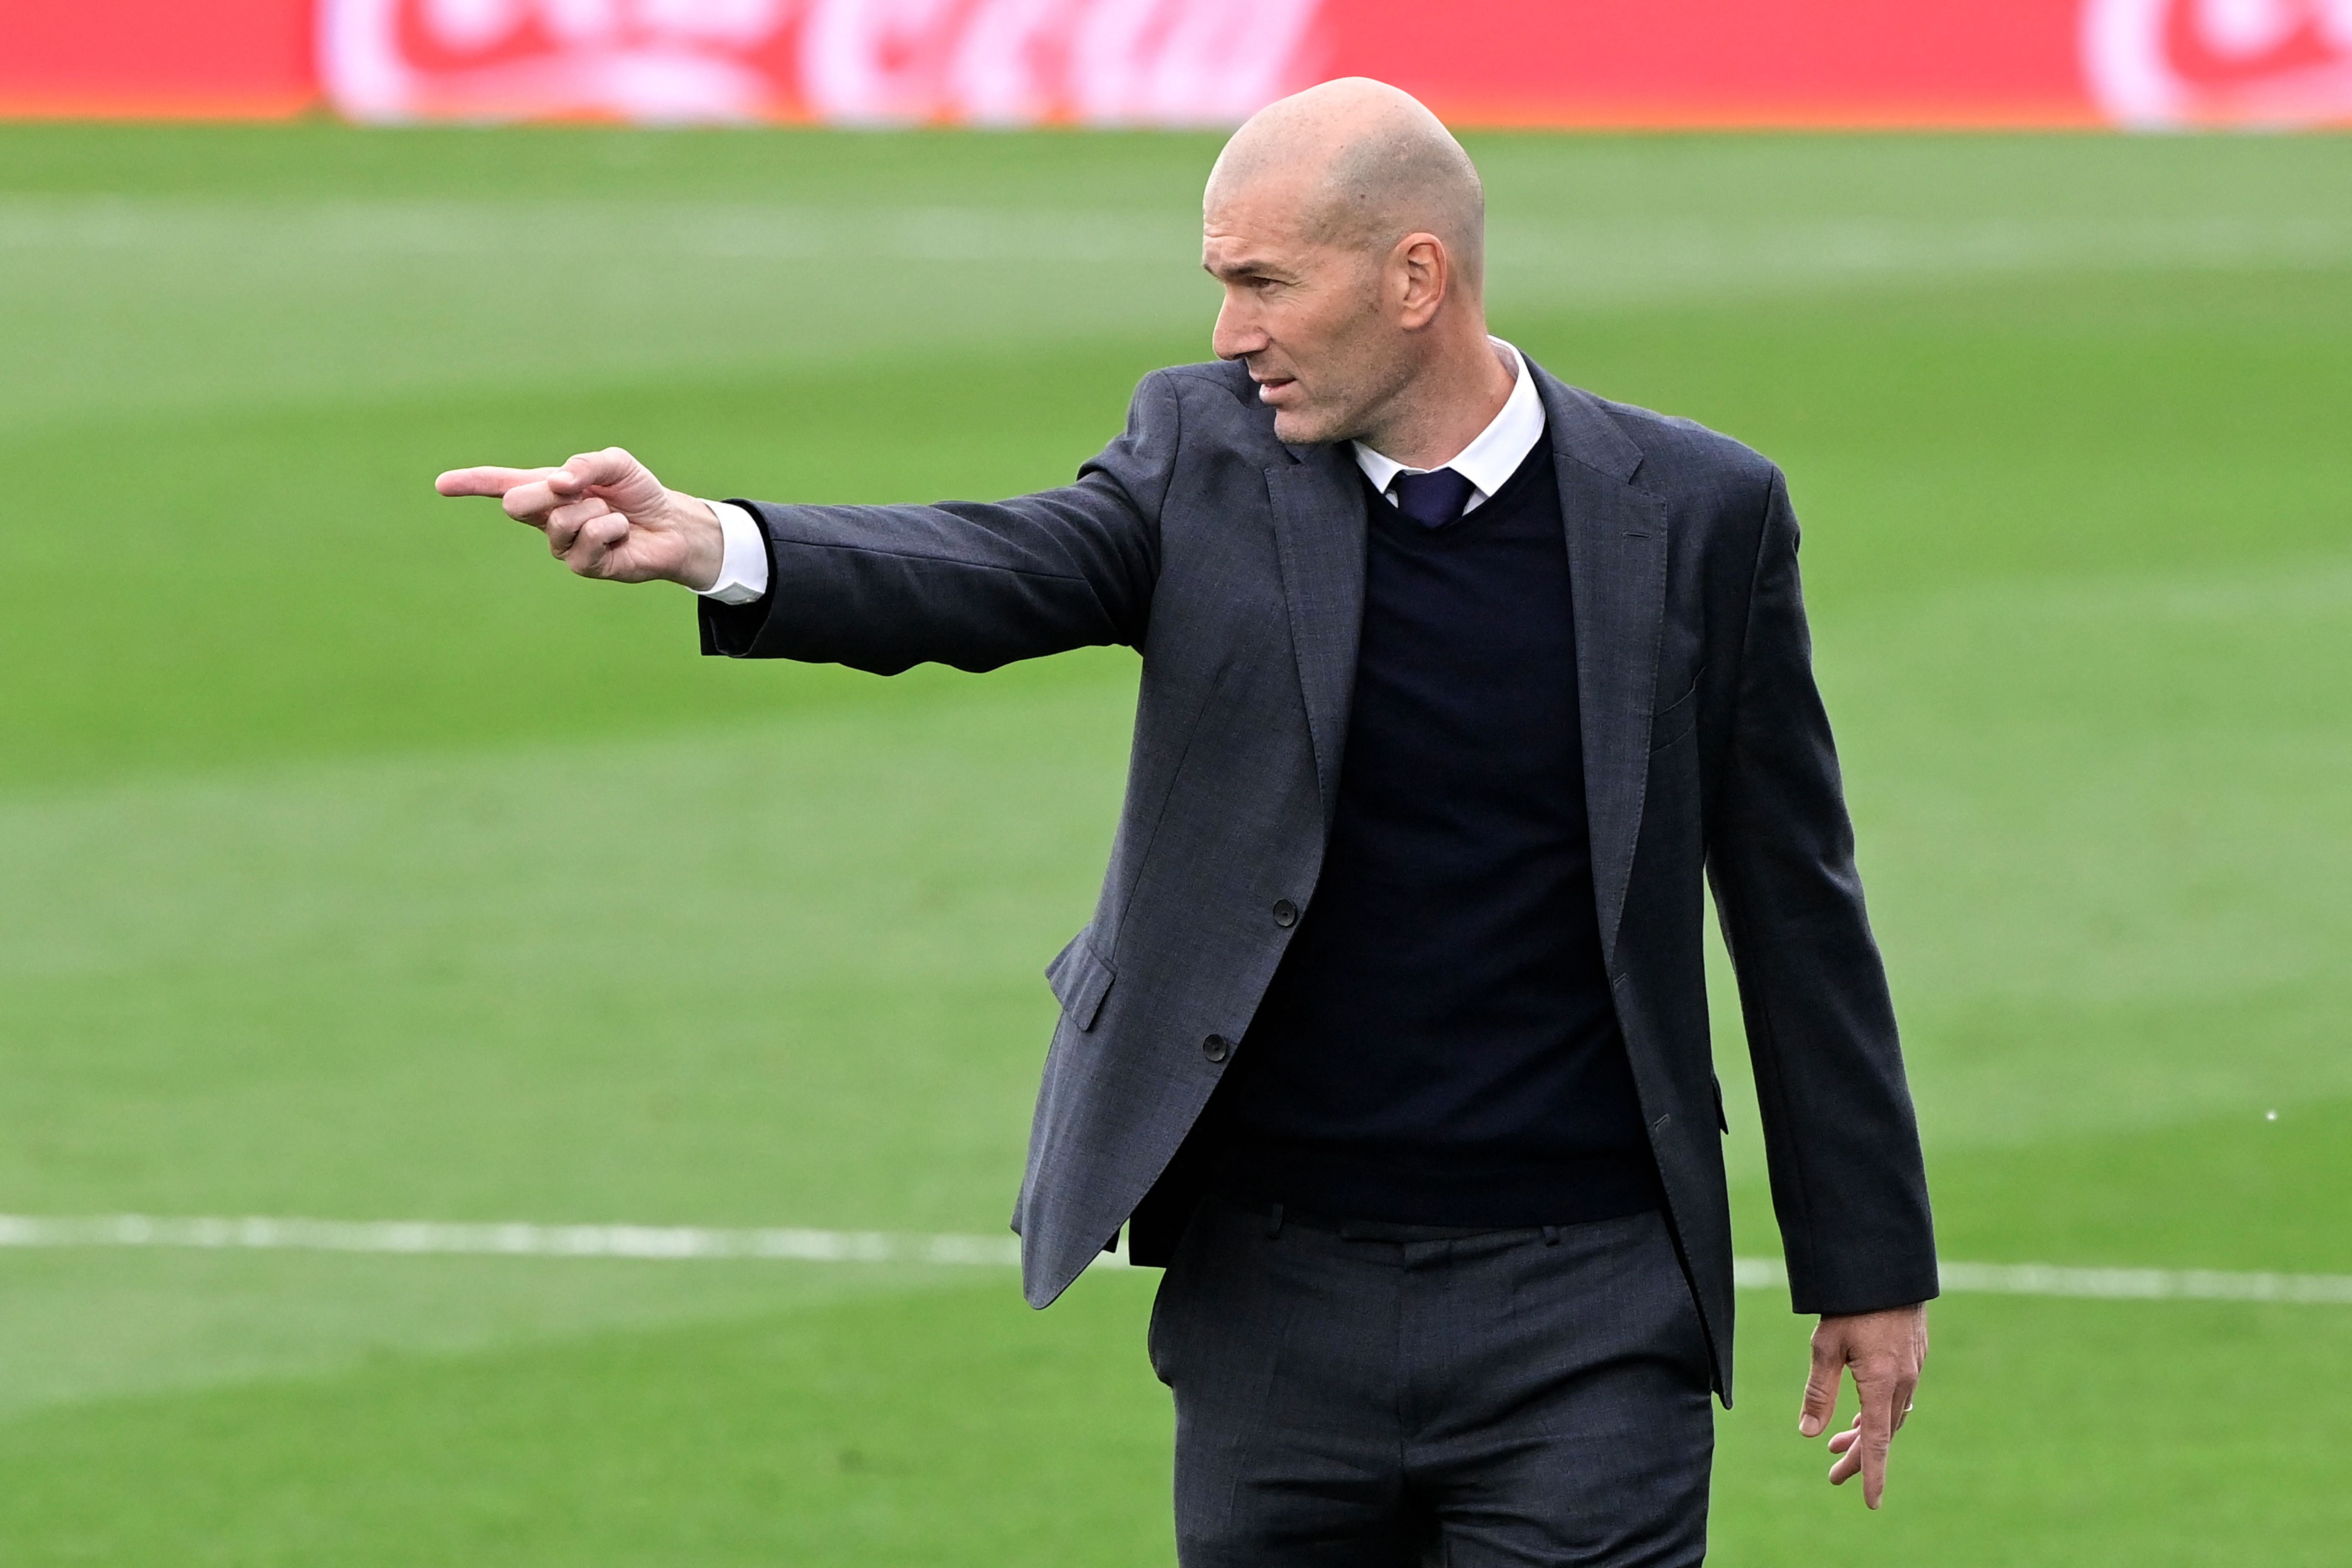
[{"x": 1234, "y": 564}]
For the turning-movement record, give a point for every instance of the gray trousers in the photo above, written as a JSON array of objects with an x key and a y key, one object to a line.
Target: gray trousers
[{"x": 1376, "y": 1396}]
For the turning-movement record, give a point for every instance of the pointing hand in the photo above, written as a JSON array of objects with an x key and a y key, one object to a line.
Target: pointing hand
[{"x": 606, "y": 516}]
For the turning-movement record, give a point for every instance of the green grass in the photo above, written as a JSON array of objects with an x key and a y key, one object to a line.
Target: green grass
[
  {"x": 954, "y": 1427},
  {"x": 355, "y": 862}
]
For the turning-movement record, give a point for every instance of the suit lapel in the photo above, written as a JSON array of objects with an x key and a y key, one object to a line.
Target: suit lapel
[
  {"x": 1318, "y": 527},
  {"x": 1617, "y": 582}
]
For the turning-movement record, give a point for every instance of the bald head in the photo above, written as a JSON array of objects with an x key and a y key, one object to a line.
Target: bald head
[
  {"x": 1362, "y": 164},
  {"x": 1346, "y": 227}
]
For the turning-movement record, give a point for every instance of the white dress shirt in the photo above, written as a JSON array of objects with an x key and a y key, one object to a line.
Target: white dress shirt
[{"x": 1494, "y": 457}]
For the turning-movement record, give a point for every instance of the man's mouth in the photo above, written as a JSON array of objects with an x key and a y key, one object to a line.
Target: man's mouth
[{"x": 1270, "y": 387}]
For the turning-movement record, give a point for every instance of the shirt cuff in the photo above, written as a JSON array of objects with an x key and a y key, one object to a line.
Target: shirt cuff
[{"x": 743, "y": 568}]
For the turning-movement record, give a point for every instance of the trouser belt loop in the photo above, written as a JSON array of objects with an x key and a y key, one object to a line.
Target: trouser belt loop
[
  {"x": 1551, "y": 1235},
  {"x": 1274, "y": 1221}
]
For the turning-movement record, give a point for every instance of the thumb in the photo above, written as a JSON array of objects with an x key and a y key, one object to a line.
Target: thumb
[
  {"x": 1821, "y": 1387},
  {"x": 614, "y": 476},
  {"x": 610, "y": 469}
]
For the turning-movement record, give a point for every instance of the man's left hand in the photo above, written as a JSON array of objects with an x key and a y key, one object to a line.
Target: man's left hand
[{"x": 1885, "y": 1350}]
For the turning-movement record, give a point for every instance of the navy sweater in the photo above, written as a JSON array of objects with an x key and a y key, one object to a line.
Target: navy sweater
[{"x": 1438, "y": 1046}]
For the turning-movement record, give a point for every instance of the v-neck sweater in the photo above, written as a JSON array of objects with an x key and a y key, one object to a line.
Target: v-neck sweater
[{"x": 1438, "y": 1044}]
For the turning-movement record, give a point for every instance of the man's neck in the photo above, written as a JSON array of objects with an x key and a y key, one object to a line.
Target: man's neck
[{"x": 1446, "y": 404}]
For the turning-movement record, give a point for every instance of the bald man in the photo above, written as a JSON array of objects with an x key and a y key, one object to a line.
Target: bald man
[{"x": 1389, "y": 1035}]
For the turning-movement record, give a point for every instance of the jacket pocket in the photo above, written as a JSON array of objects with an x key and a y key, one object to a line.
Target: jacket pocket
[
  {"x": 1081, "y": 978},
  {"x": 1677, "y": 718}
]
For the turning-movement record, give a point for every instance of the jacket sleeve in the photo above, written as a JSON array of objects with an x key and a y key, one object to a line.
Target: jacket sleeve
[
  {"x": 971, "y": 584},
  {"x": 1842, "y": 1145}
]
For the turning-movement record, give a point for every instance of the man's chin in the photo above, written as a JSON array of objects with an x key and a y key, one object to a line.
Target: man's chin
[{"x": 1304, "y": 427}]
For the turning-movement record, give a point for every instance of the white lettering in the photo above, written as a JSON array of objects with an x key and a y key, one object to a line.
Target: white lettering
[
  {"x": 467, "y": 24},
  {"x": 2128, "y": 61},
  {"x": 1109, "y": 62},
  {"x": 1185, "y": 62},
  {"x": 869, "y": 62},
  {"x": 1010, "y": 65},
  {"x": 580, "y": 22},
  {"x": 2247, "y": 29},
  {"x": 738, "y": 24}
]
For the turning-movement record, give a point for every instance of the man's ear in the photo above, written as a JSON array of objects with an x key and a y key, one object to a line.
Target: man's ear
[{"x": 1425, "y": 272}]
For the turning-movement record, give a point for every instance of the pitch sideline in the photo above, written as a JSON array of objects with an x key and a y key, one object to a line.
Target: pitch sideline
[{"x": 796, "y": 1244}]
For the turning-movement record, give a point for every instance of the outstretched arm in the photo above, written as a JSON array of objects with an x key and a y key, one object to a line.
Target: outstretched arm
[{"x": 879, "y": 588}]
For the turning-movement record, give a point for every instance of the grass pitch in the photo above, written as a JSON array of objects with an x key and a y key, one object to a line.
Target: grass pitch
[{"x": 355, "y": 862}]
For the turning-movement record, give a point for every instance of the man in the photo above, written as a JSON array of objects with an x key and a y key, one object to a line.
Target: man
[{"x": 1388, "y": 1036}]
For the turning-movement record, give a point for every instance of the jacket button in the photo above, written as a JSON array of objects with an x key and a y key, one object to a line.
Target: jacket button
[
  {"x": 1216, "y": 1048},
  {"x": 1285, "y": 913}
]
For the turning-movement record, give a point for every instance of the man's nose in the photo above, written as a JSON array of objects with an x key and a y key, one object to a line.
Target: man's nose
[{"x": 1235, "y": 336}]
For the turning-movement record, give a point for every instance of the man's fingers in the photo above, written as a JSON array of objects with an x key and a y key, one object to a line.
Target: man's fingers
[
  {"x": 1847, "y": 1446},
  {"x": 572, "y": 515},
  {"x": 603, "y": 513},
  {"x": 1877, "y": 1428},
  {"x": 593, "y": 543},
  {"x": 585, "y": 553},
  {"x": 535, "y": 495},
  {"x": 566, "y": 522},
  {"x": 1884, "y": 1350},
  {"x": 485, "y": 481},
  {"x": 531, "y": 500}
]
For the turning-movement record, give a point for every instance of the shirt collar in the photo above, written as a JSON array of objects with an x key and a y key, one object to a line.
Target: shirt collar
[{"x": 1499, "y": 450}]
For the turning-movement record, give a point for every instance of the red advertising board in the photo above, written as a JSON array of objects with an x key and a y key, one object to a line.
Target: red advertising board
[
  {"x": 1733, "y": 62},
  {"x": 245, "y": 58},
  {"x": 1156, "y": 62},
  {"x": 1191, "y": 62}
]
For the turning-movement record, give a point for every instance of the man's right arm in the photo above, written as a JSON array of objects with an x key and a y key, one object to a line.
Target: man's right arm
[
  {"x": 971, "y": 584},
  {"x": 879, "y": 588}
]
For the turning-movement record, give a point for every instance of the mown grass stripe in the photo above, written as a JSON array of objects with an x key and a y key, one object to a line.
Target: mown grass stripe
[{"x": 801, "y": 1244}]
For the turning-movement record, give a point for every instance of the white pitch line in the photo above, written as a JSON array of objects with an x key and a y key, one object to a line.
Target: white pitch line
[
  {"x": 803, "y": 1244},
  {"x": 511, "y": 1240},
  {"x": 2099, "y": 1284}
]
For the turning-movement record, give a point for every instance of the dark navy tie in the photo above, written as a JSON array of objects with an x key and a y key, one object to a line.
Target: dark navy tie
[{"x": 1431, "y": 499}]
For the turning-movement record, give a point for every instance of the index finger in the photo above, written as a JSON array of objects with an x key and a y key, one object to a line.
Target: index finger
[{"x": 485, "y": 481}]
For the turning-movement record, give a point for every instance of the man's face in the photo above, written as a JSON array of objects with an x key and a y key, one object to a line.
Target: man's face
[{"x": 1305, "y": 316}]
